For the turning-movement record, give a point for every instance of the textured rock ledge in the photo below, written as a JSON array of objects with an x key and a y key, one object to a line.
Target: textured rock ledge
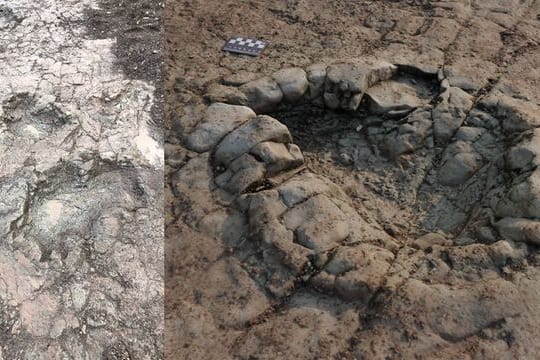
[
  {"x": 81, "y": 196},
  {"x": 296, "y": 241}
]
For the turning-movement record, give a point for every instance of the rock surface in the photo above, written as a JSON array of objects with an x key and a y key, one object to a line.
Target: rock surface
[
  {"x": 391, "y": 241},
  {"x": 262, "y": 94},
  {"x": 81, "y": 168},
  {"x": 292, "y": 82},
  {"x": 392, "y": 96},
  {"x": 219, "y": 120}
]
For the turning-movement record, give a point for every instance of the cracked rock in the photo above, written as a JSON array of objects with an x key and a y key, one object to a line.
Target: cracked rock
[
  {"x": 355, "y": 273},
  {"x": 516, "y": 115},
  {"x": 316, "y": 75},
  {"x": 227, "y": 94},
  {"x": 278, "y": 157},
  {"x": 218, "y": 121},
  {"x": 520, "y": 230},
  {"x": 392, "y": 97},
  {"x": 81, "y": 184},
  {"x": 522, "y": 200},
  {"x": 260, "y": 129},
  {"x": 292, "y": 82},
  {"x": 524, "y": 154},
  {"x": 411, "y": 230},
  {"x": 263, "y": 94},
  {"x": 346, "y": 83},
  {"x": 460, "y": 162},
  {"x": 450, "y": 113},
  {"x": 319, "y": 225},
  {"x": 244, "y": 172},
  {"x": 409, "y": 136}
]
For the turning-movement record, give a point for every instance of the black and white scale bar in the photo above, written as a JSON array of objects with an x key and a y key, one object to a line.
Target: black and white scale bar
[{"x": 245, "y": 45}]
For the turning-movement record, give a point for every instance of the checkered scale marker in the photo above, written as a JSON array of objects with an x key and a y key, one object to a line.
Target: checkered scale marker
[{"x": 244, "y": 45}]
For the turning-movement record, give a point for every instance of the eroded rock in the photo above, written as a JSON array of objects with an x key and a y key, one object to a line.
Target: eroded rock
[
  {"x": 307, "y": 233},
  {"x": 355, "y": 273},
  {"x": 278, "y": 157},
  {"x": 218, "y": 121},
  {"x": 409, "y": 136},
  {"x": 392, "y": 97},
  {"x": 262, "y": 94},
  {"x": 260, "y": 129},
  {"x": 460, "y": 162},
  {"x": 346, "y": 83},
  {"x": 522, "y": 199},
  {"x": 292, "y": 82},
  {"x": 516, "y": 115},
  {"x": 520, "y": 230},
  {"x": 525, "y": 154},
  {"x": 450, "y": 113}
]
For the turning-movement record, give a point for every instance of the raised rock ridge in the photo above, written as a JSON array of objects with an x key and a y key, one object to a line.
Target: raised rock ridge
[{"x": 300, "y": 234}]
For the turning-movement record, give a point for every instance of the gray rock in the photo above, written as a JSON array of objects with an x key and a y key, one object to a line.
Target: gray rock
[
  {"x": 219, "y": 120},
  {"x": 293, "y": 83},
  {"x": 463, "y": 241},
  {"x": 518, "y": 157},
  {"x": 395, "y": 145},
  {"x": 346, "y": 83},
  {"x": 503, "y": 250},
  {"x": 520, "y": 230},
  {"x": 241, "y": 140},
  {"x": 242, "y": 173},
  {"x": 522, "y": 200},
  {"x": 459, "y": 168},
  {"x": 460, "y": 162},
  {"x": 322, "y": 234},
  {"x": 316, "y": 75},
  {"x": 485, "y": 145},
  {"x": 516, "y": 115},
  {"x": 318, "y": 223},
  {"x": 450, "y": 113},
  {"x": 525, "y": 153},
  {"x": 293, "y": 255},
  {"x": 355, "y": 273},
  {"x": 226, "y": 94},
  {"x": 409, "y": 136},
  {"x": 263, "y": 94},
  {"x": 392, "y": 96},
  {"x": 277, "y": 156},
  {"x": 467, "y": 75},
  {"x": 302, "y": 187},
  {"x": 428, "y": 240},
  {"x": 262, "y": 207},
  {"x": 240, "y": 78},
  {"x": 469, "y": 134},
  {"x": 479, "y": 118},
  {"x": 485, "y": 234},
  {"x": 14, "y": 194}
]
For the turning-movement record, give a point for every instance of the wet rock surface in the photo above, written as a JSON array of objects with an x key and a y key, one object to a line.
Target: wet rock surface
[
  {"x": 410, "y": 227},
  {"x": 81, "y": 171}
]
